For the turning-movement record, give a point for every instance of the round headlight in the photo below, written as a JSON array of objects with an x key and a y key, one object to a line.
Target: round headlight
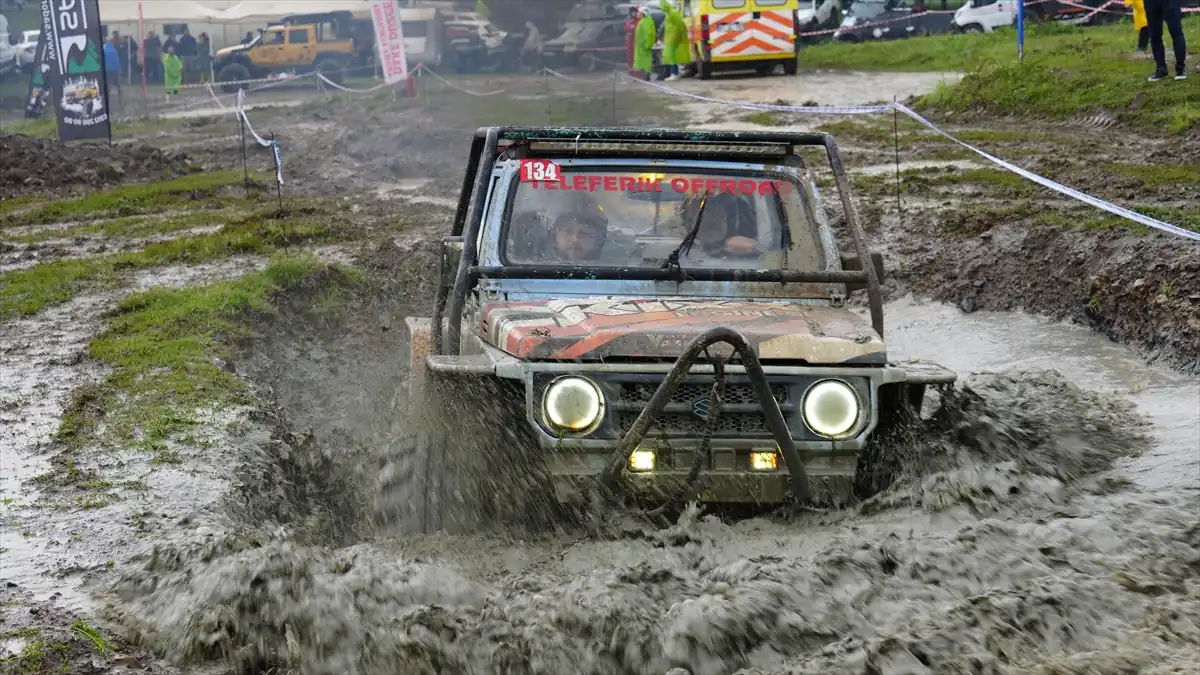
[
  {"x": 831, "y": 409},
  {"x": 573, "y": 404}
]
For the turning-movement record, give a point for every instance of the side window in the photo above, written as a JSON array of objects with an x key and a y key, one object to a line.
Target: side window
[
  {"x": 274, "y": 37},
  {"x": 298, "y": 36}
]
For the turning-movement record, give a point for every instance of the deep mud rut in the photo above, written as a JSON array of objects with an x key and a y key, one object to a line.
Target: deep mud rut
[{"x": 1045, "y": 524}]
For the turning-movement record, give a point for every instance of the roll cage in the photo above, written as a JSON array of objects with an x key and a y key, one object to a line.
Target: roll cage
[{"x": 450, "y": 298}]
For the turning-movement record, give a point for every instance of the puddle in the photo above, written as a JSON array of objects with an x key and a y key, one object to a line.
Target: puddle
[{"x": 885, "y": 169}]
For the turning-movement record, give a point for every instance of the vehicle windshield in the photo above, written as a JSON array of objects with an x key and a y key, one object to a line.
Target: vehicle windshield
[
  {"x": 866, "y": 10},
  {"x": 30, "y": 36},
  {"x": 615, "y": 218}
]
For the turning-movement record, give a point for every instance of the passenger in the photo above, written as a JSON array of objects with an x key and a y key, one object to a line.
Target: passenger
[{"x": 728, "y": 226}]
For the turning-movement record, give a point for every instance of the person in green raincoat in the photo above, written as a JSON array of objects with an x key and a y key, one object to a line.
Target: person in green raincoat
[
  {"x": 172, "y": 71},
  {"x": 676, "y": 51},
  {"x": 643, "y": 42}
]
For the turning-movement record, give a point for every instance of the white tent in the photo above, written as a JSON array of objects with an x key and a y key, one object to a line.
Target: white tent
[
  {"x": 270, "y": 10},
  {"x": 155, "y": 11}
]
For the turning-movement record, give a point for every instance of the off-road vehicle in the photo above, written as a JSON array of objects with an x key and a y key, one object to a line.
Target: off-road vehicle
[
  {"x": 326, "y": 43},
  {"x": 661, "y": 313}
]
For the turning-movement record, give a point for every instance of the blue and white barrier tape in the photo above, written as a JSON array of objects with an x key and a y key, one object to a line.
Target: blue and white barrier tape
[
  {"x": 274, "y": 145},
  {"x": 1121, "y": 211},
  {"x": 1058, "y": 187}
]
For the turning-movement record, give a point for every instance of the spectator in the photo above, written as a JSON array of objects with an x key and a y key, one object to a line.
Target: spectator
[
  {"x": 204, "y": 57},
  {"x": 171, "y": 43},
  {"x": 1139, "y": 24},
  {"x": 154, "y": 52},
  {"x": 186, "y": 51},
  {"x": 676, "y": 50},
  {"x": 112, "y": 65},
  {"x": 1170, "y": 12},
  {"x": 630, "y": 28},
  {"x": 532, "y": 51},
  {"x": 248, "y": 39},
  {"x": 172, "y": 71},
  {"x": 644, "y": 38}
]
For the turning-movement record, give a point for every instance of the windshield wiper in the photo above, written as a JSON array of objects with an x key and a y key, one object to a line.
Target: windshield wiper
[{"x": 685, "y": 246}]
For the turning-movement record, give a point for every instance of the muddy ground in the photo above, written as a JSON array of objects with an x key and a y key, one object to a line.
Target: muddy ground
[{"x": 203, "y": 387}]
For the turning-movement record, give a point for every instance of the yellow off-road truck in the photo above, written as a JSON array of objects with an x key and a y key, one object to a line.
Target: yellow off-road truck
[{"x": 326, "y": 43}]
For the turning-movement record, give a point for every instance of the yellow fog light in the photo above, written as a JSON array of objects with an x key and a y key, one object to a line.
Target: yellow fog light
[
  {"x": 764, "y": 461},
  {"x": 642, "y": 460}
]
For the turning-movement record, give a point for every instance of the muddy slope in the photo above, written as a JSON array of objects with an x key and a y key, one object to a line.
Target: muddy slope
[{"x": 36, "y": 165}]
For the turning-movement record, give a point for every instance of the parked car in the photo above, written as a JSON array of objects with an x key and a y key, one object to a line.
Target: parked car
[
  {"x": 9, "y": 62},
  {"x": 868, "y": 20},
  {"x": 590, "y": 28},
  {"x": 27, "y": 49},
  {"x": 816, "y": 15}
]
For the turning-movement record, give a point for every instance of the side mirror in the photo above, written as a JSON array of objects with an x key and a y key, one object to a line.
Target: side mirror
[{"x": 852, "y": 262}]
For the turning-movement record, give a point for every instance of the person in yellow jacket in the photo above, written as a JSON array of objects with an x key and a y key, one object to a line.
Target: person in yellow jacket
[
  {"x": 1139, "y": 24},
  {"x": 676, "y": 50}
]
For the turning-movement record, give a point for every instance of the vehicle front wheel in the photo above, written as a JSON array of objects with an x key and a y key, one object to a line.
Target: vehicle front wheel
[
  {"x": 973, "y": 28},
  {"x": 234, "y": 72},
  {"x": 884, "y": 458},
  {"x": 791, "y": 66},
  {"x": 333, "y": 69},
  {"x": 704, "y": 69}
]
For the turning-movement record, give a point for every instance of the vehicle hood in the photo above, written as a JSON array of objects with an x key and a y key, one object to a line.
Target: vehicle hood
[
  {"x": 226, "y": 51},
  {"x": 601, "y": 328}
]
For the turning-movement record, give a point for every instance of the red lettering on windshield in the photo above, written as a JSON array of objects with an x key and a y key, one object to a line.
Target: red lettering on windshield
[{"x": 613, "y": 183}]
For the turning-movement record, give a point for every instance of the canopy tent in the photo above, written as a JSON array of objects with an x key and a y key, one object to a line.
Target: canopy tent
[
  {"x": 270, "y": 10},
  {"x": 155, "y": 11}
]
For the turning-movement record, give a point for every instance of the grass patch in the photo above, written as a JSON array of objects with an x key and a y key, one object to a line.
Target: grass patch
[
  {"x": 767, "y": 118},
  {"x": 165, "y": 347},
  {"x": 974, "y": 220},
  {"x": 1068, "y": 71},
  {"x": 265, "y": 231},
  {"x": 131, "y": 226},
  {"x": 1157, "y": 175},
  {"x": 127, "y": 200},
  {"x": 926, "y": 182}
]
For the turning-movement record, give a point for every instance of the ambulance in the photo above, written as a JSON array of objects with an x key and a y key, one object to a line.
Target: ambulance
[{"x": 743, "y": 35}]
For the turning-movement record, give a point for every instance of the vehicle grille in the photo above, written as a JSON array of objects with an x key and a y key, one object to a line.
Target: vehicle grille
[{"x": 740, "y": 414}]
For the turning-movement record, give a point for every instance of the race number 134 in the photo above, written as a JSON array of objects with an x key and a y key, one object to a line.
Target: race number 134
[{"x": 539, "y": 170}]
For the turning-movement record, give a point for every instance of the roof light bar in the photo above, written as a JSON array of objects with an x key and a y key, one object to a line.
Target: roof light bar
[{"x": 633, "y": 147}]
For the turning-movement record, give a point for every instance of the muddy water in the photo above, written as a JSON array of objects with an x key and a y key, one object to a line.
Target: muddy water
[{"x": 1009, "y": 547}]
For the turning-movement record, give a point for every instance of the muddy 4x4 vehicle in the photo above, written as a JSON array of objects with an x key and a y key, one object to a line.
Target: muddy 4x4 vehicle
[
  {"x": 326, "y": 43},
  {"x": 657, "y": 312}
]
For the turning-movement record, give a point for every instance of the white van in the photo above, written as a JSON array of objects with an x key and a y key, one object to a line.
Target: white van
[
  {"x": 985, "y": 16},
  {"x": 9, "y": 55}
]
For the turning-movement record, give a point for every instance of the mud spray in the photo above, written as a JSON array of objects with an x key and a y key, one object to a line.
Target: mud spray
[{"x": 1002, "y": 548}]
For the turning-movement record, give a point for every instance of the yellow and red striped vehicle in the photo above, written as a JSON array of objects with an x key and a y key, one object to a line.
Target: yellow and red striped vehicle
[{"x": 742, "y": 35}]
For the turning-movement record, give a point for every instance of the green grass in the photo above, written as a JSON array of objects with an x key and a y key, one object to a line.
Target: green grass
[
  {"x": 127, "y": 200},
  {"x": 164, "y": 347},
  {"x": 131, "y": 226},
  {"x": 28, "y": 291},
  {"x": 1156, "y": 175},
  {"x": 1067, "y": 71}
]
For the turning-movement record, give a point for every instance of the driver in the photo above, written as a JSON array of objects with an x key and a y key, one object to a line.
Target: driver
[
  {"x": 727, "y": 227},
  {"x": 579, "y": 235}
]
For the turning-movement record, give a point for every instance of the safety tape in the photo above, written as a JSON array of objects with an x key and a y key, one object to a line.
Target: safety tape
[
  {"x": 335, "y": 85},
  {"x": 1121, "y": 211},
  {"x": 448, "y": 83},
  {"x": 275, "y": 80},
  {"x": 274, "y": 145}
]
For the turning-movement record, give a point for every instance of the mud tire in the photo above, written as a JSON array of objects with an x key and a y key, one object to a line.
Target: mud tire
[
  {"x": 233, "y": 72},
  {"x": 791, "y": 67},
  {"x": 704, "y": 70},
  {"x": 882, "y": 460}
]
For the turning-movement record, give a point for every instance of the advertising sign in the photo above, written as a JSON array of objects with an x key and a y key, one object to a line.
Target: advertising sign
[
  {"x": 389, "y": 40},
  {"x": 75, "y": 57}
]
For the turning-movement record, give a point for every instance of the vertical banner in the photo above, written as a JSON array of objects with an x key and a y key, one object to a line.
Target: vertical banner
[
  {"x": 39, "y": 79},
  {"x": 389, "y": 40},
  {"x": 142, "y": 42},
  {"x": 75, "y": 55},
  {"x": 1020, "y": 30}
]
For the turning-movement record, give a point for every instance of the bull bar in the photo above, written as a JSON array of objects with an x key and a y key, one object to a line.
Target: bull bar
[{"x": 610, "y": 476}]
